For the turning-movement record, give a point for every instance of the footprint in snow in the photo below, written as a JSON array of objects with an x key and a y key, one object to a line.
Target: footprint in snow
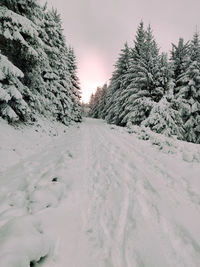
[{"x": 47, "y": 194}]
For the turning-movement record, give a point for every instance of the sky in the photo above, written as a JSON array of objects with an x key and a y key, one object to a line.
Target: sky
[{"x": 98, "y": 29}]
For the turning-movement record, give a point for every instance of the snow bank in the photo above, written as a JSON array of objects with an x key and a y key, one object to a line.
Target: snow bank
[
  {"x": 188, "y": 151},
  {"x": 22, "y": 242},
  {"x": 19, "y": 143}
]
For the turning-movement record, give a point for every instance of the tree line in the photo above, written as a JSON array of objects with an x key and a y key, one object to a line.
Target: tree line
[
  {"x": 148, "y": 89},
  {"x": 38, "y": 70}
]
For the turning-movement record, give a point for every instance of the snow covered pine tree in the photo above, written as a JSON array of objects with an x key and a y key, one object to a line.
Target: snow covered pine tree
[{"x": 32, "y": 40}]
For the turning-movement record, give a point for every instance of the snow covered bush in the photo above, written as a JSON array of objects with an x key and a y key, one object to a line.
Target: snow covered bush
[
  {"x": 137, "y": 109},
  {"x": 164, "y": 119},
  {"x": 189, "y": 152}
]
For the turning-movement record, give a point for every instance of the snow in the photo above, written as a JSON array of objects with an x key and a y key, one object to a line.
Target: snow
[
  {"x": 189, "y": 152},
  {"x": 18, "y": 143},
  {"x": 32, "y": 246},
  {"x": 4, "y": 95},
  {"x": 8, "y": 112},
  {"x": 6, "y": 68},
  {"x": 24, "y": 24},
  {"x": 12, "y": 90},
  {"x": 98, "y": 195}
]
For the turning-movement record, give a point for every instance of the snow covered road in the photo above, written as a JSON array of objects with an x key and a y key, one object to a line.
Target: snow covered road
[{"x": 106, "y": 199}]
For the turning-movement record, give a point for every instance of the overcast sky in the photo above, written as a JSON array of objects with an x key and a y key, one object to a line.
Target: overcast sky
[{"x": 97, "y": 29}]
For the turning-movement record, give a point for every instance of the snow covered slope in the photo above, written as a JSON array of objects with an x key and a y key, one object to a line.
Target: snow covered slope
[
  {"x": 99, "y": 196},
  {"x": 18, "y": 143}
]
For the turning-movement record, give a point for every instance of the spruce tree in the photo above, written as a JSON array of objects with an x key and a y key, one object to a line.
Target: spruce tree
[
  {"x": 128, "y": 88},
  {"x": 144, "y": 89},
  {"x": 180, "y": 57},
  {"x": 116, "y": 86},
  {"x": 188, "y": 93},
  {"x": 102, "y": 102},
  {"x": 75, "y": 85},
  {"x": 26, "y": 8},
  {"x": 12, "y": 105},
  {"x": 95, "y": 103},
  {"x": 32, "y": 39},
  {"x": 20, "y": 41},
  {"x": 164, "y": 117},
  {"x": 57, "y": 76}
]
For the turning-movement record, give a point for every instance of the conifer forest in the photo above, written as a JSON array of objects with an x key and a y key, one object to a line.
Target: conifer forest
[
  {"x": 99, "y": 147},
  {"x": 148, "y": 89},
  {"x": 38, "y": 71}
]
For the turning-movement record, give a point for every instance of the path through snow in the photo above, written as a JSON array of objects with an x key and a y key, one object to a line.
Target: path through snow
[{"x": 106, "y": 199}]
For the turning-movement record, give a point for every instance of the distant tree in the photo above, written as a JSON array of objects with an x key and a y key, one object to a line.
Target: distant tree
[
  {"x": 85, "y": 109},
  {"x": 75, "y": 86},
  {"x": 102, "y": 102},
  {"x": 94, "y": 103}
]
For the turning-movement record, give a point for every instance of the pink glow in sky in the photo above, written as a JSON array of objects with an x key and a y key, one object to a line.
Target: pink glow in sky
[
  {"x": 92, "y": 72},
  {"x": 98, "y": 30}
]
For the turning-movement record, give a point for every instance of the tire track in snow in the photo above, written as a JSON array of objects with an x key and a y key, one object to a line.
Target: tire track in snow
[
  {"x": 175, "y": 178},
  {"x": 152, "y": 185},
  {"x": 115, "y": 242},
  {"x": 124, "y": 207},
  {"x": 118, "y": 253}
]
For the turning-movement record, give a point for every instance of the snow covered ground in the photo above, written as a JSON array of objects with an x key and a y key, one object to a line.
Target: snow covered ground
[
  {"x": 17, "y": 143},
  {"x": 96, "y": 195}
]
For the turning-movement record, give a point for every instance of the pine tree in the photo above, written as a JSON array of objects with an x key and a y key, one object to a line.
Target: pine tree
[
  {"x": 12, "y": 105},
  {"x": 32, "y": 39},
  {"x": 188, "y": 93},
  {"x": 134, "y": 57},
  {"x": 91, "y": 105},
  {"x": 116, "y": 86},
  {"x": 180, "y": 57},
  {"x": 95, "y": 103},
  {"x": 57, "y": 76},
  {"x": 150, "y": 91},
  {"x": 21, "y": 43},
  {"x": 144, "y": 89},
  {"x": 139, "y": 42},
  {"x": 17, "y": 36},
  {"x": 75, "y": 86},
  {"x": 26, "y": 8},
  {"x": 102, "y": 102},
  {"x": 195, "y": 48},
  {"x": 164, "y": 118}
]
